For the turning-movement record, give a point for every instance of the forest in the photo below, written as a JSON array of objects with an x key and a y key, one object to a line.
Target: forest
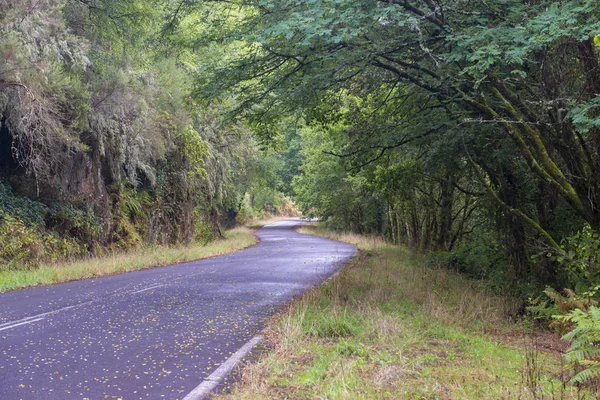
[
  {"x": 466, "y": 130},
  {"x": 103, "y": 145}
]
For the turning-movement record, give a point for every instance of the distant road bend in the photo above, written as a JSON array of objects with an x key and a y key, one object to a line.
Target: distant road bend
[{"x": 154, "y": 334}]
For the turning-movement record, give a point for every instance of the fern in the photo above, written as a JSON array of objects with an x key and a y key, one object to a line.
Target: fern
[
  {"x": 585, "y": 343},
  {"x": 557, "y": 306}
]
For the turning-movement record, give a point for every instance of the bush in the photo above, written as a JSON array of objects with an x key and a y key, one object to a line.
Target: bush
[
  {"x": 24, "y": 247},
  {"x": 124, "y": 236},
  {"x": 80, "y": 224},
  {"x": 581, "y": 259},
  {"x": 30, "y": 212},
  {"x": 32, "y": 232},
  {"x": 481, "y": 259},
  {"x": 203, "y": 232}
]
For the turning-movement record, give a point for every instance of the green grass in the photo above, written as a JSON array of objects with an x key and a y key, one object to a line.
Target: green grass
[
  {"x": 236, "y": 239},
  {"x": 387, "y": 327}
]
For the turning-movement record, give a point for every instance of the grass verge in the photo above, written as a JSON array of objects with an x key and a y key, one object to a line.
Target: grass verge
[
  {"x": 143, "y": 258},
  {"x": 387, "y": 327}
]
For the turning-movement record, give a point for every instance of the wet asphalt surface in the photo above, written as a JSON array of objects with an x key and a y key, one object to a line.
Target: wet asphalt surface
[{"x": 158, "y": 333}]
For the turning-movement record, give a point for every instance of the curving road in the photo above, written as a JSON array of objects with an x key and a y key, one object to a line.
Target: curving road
[{"x": 158, "y": 333}]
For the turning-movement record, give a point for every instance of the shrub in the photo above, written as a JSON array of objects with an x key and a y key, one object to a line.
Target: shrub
[
  {"x": 581, "y": 259},
  {"x": 24, "y": 247},
  {"x": 30, "y": 212},
  {"x": 203, "y": 232}
]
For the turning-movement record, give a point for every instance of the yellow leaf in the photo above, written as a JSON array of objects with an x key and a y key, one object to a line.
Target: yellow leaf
[{"x": 597, "y": 40}]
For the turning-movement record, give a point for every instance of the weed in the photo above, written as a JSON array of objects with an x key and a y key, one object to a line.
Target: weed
[{"x": 331, "y": 325}]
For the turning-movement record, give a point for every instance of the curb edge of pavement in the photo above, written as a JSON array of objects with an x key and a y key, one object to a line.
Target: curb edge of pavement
[{"x": 214, "y": 379}]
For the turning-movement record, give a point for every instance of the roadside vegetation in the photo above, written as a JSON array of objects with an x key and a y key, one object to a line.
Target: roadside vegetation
[
  {"x": 103, "y": 147},
  {"x": 390, "y": 326},
  {"x": 124, "y": 261},
  {"x": 468, "y": 131}
]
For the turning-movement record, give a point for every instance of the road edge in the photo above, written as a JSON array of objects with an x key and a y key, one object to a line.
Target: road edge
[
  {"x": 206, "y": 387},
  {"x": 213, "y": 380}
]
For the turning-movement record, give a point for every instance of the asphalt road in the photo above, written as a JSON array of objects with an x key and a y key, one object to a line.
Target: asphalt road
[{"x": 156, "y": 333}]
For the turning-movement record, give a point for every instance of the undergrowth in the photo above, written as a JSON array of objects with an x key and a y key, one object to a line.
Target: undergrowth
[
  {"x": 388, "y": 327},
  {"x": 32, "y": 232},
  {"x": 125, "y": 261}
]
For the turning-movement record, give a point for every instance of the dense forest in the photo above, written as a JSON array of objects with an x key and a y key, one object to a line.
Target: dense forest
[
  {"x": 469, "y": 130},
  {"x": 103, "y": 145}
]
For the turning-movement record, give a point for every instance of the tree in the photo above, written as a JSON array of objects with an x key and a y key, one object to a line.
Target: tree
[{"x": 526, "y": 68}]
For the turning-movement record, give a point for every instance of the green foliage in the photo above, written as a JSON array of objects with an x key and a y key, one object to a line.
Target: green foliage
[
  {"x": 581, "y": 260},
  {"x": 134, "y": 204},
  {"x": 30, "y": 212},
  {"x": 195, "y": 149},
  {"x": 81, "y": 224},
  {"x": 124, "y": 235},
  {"x": 339, "y": 325},
  {"x": 32, "y": 232},
  {"x": 23, "y": 247},
  {"x": 326, "y": 189},
  {"x": 556, "y": 306},
  {"x": 456, "y": 86},
  {"x": 203, "y": 232},
  {"x": 585, "y": 116},
  {"x": 98, "y": 118},
  {"x": 584, "y": 350},
  {"x": 482, "y": 258},
  {"x": 349, "y": 348}
]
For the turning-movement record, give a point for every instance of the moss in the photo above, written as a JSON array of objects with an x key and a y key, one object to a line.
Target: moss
[{"x": 124, "y": 235}]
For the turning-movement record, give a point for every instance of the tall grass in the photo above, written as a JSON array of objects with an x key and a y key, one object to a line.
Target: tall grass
[
  {"x": 389, "y": 327},
  {"x": 393, "y": 274},
  {"x": 363, "y": 242},
  {"x": 143, "y": 258}
]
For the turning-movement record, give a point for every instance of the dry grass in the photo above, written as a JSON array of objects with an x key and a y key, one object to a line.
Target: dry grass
[
  {"x": 363, "y": 242},
  {"x": 395, "y": 274},
  {"x": 236, "y": 239},
  {"x": 388, "y": 327}
]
